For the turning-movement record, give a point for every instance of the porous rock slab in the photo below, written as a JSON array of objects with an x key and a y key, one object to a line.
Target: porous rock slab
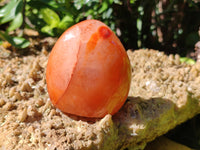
[{"x": 163, "y": 94}]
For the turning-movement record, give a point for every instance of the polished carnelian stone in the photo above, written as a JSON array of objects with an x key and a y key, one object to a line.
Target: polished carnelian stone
[{"x": 88, "y": 72}]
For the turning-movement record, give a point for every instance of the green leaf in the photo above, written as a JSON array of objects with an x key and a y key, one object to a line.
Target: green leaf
[
  {"x": 119, "y": 2},
  {"x": 111, "y": 1},
  {"x": 17, "y": 8},
  {"x": 17, "y": 42},
  {"x": 48, "y": 30},
  {"x": 89, "y": 12},
  {"x": 66, "y": 22},
  {"x": 132, "y": 1},
  {"x": 187, "y": 60},
  {"x": 16, "y": 23},
  {"x": 51, "y": 3},
  {"x": 139, "y": 24},
  {"x": 7, "y": 8},
  {"x": 103, "y": 7},
  {"x": 20, "y": 42},
  {"x": 78, "y": 4},
  {"x": 50, "y": 17},
  {"x": 107, "y": 14}
]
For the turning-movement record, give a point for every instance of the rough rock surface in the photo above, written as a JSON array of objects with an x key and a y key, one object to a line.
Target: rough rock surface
[{"x": 164, "y": 93}]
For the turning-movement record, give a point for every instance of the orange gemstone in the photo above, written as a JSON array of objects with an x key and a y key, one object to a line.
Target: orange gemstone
[{"x": 88, "y": 72}]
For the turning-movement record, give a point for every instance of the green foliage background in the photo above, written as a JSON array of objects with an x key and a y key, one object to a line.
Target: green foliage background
[{"x": 168, "y": 25}]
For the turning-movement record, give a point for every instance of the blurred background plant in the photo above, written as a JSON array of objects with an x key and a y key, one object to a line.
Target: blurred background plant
[
  {"x": 168, "y": 25},
  {"x": 49, "y": 17}
]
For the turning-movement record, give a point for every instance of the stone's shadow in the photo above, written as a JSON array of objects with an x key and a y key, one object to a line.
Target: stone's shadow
[
  {"x": 138, "y": 108},
  {"x": 144, "y": 111},
  {"x": 84, "y": 119},
  {"x": 135, "y": 108}
]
